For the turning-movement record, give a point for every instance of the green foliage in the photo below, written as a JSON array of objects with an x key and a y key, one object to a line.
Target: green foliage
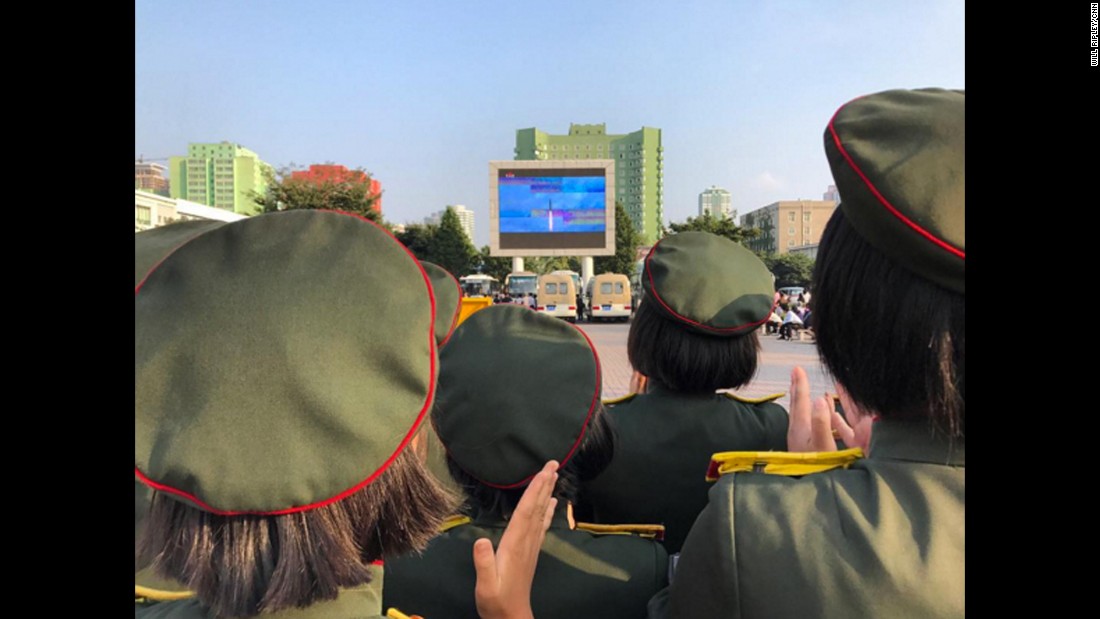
[
  {"x": 627, "y": 241},
  {"x": 494, "y": 267},
  {"x": 451, "y": 248},
  {"x": 419, "y": 238},
  {"x": 722, "y": 226},
  {"x": 350, "y": 194},
  {"x": 790, "y": 269},
  {"x": 545, "y": 264}
]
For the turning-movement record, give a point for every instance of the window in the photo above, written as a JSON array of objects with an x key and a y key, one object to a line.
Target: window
[
  {"x": 551, "y": 288},
  {"x": 790, "y": 242},
  {"x": 605, "y": 288},
  {"x": 618, "y": 287},
  {"x": 144, "y": 215},
  {"x": 806, "y": 231},
  {"x": 790, "y": 216},
  {"x": 790, "y": 230},
  {"x": 805, "y": 217}
]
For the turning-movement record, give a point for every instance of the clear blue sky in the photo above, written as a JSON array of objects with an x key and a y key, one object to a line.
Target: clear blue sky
[{"x": 424, "y": 94}]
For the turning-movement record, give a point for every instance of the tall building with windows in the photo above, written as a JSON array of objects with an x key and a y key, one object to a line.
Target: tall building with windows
[
  {"x": 222, "y": 175},
  {"x": 465, "y": 217},
  {"x": 639, "y": 165},
  {"x": 716, "y": 201},
  {"x": 831, "y": 194},
  {"x": 788, "y": 224},
  {"x": 321, "y": 173},
  {"x": 150, "y": 177}
]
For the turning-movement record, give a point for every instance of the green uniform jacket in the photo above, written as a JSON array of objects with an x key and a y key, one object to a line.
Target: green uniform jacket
[
  {"x": 883, "y": 538},
  {"x": 665, "y": 441},
  {"x": 363, "y": 602},
  {"x": 579, "y": 574}
]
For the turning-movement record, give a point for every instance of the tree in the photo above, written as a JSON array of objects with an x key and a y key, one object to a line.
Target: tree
[
  {"x": 348, "y": 192},
  {"x": 627, "y": 241},
  {"x": 420, "y": 239},
  {"x": 494, "y": 266},
  {"x": 790, "y": 269},
  {"x": 722, "y": 226},
  {"x": 451, "y": 248}
]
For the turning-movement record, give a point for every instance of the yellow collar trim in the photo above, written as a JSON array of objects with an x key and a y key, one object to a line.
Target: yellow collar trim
[
  {"x": 156, "y": 595},
  {"x": 767, "y": 398},
  {"x": 619, "y": 400},
  {"x": 393, "y": 613},
  {"x": 452, "y": 522},
  {"x": 648, "y": 531},
  {"x": 780, "y": 462}
]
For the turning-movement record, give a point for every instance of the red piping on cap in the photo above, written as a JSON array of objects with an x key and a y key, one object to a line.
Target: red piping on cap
[
  {"x": 584, "y": 426},
  {"x": 385, "y": 465},
  {"x": 656, "y": 295},
  {"x": 874, "y": 191}
]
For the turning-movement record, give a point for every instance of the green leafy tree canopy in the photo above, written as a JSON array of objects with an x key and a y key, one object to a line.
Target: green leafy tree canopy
[
  {"x": 349, "y": 192},
  {"x": 419, "y": 238},
  {"x": 627, "y": 241},
  {"x": 451, "y": 248},
  {"x": 790, "y": 269},
  {"x": 722, "y": 226}
]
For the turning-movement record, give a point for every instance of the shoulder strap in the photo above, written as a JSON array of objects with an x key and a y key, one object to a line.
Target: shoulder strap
[
  {"x": 452, "y": 522},
  {"x": 156, "y": 595},
  {"x": 761, "y": 400},
  {"x": 648, "y": 531},
  {"x": 780, "y": 462},
  {"x": 619, "y": 400}
]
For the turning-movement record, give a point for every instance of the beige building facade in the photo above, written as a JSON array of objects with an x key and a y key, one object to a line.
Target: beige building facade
[
  {"x": 788, "y": 224},
  {"x": 152, "y": 210}
]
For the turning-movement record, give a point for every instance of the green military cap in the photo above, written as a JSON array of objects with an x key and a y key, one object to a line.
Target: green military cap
[
  {"x": 899, "y": 160},
  {"x": 151, "y": 246},
  {"x": 708, "y": 283},
  {"x": 516, "y": 389},
  {"x": 448, "y": 300},
  {"x": 281, "y": 362}
]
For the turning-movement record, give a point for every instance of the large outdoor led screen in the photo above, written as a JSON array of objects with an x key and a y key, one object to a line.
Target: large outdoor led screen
[{"x": 552, "y": 208}]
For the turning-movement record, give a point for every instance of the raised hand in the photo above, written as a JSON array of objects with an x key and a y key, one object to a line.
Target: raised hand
[{"x": 504, "y": 578}]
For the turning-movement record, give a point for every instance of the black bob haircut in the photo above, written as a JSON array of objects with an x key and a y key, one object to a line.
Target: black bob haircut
[
  {"x": 686, "y": 361},
  {"x": 895, "y": 341},
  {"x": 593, "y": 455}
]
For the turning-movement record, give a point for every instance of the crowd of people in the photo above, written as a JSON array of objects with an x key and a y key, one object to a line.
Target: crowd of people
[{"x": 308, "y": 447}]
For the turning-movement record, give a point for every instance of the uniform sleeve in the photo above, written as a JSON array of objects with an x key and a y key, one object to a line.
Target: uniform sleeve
[{"x": 705, "y": 583}]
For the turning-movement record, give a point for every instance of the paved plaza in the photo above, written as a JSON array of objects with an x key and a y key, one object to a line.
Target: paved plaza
[{"x": 773, "y": 373}]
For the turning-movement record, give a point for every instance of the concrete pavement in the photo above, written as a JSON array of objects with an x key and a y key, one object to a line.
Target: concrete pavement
[{"x": 773, "y": 374}]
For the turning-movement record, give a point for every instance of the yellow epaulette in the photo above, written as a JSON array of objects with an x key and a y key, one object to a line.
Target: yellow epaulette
[
  {"x": 393, "y": 613},
  {"x": 767, "y": 398},
  {"x": 780, "y": 462},
  {"x": 648, "y": 531},
  {"x": 144, "y": 594},
  {"x": 619, "y": 400},
  {"x": 452, "y": 522}
]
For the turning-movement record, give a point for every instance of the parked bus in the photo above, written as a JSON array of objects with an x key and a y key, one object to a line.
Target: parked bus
[
  {"x": 608, "y": 298},
  {"x": 517, "y": 285},
  {"x": 578, "y": 287},
  {"x": 557, "y": 296},
  {"x": 479, "y": 285}
]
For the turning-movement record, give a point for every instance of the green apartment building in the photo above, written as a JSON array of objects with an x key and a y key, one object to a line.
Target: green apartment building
[
  {"x": 222, "y": 175},
  {"x": 639, "y": 165}
]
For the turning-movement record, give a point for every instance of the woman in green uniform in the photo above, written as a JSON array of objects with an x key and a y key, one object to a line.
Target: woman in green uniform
[
  {"x": 516, "y": 389},
  {"x": 281, "y": 383},
  {"x": 881, "y": 535},
  {"x": 694, "y": 333}
]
